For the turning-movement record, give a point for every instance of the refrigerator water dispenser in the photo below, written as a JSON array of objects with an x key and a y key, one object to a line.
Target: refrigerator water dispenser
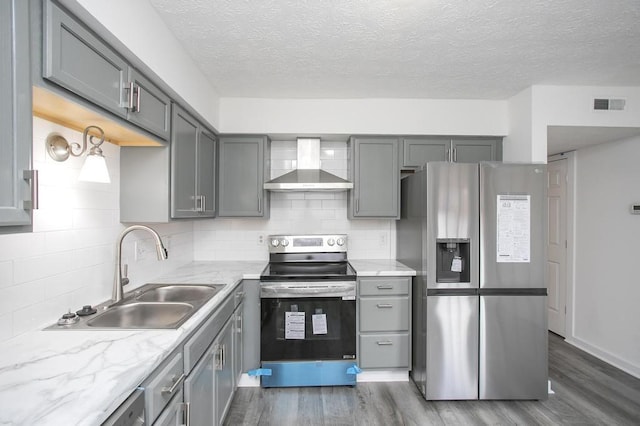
[{"x": 452, "y": 261}]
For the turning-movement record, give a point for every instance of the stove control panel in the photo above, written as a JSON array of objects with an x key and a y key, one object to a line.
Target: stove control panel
[{"x": 307, "y": 243}]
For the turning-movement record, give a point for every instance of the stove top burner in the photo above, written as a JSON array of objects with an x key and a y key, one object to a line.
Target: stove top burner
[
  {"x": 306, "y": 271},
  {"x": 307, "y": 258}
]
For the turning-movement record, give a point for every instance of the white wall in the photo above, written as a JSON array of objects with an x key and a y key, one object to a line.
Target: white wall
[
  {"x": 517, "y": 144},
  {"x": 607, "y": 291},
  {"x": 364, "y": 116},
  {"x": 140, "y": 28},
  {"x": 301, "y": 212},
  {"x": 69, "y": 259}
]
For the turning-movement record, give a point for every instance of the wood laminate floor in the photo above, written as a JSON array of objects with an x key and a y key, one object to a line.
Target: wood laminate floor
[{"x": 587, "y": 392}]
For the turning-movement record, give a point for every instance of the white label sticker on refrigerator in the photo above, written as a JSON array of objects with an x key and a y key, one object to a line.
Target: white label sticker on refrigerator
[
  {"x": 294, "y": 325},
  {"x": 319, "y": 322},
  {"x": 514, "y": 229},
  {"x": 456, "y": 264}
]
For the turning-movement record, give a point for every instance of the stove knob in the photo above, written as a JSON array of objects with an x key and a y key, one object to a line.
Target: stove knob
[
  {"x": 340, "y": 241},
  {"x": 284, "y": 243},
  {"x": 275, "y": 243},
  {"x": 331, "y": 241}
]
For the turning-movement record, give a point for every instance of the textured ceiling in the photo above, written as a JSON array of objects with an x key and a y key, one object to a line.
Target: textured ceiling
[{"x": 456, "y": 49}]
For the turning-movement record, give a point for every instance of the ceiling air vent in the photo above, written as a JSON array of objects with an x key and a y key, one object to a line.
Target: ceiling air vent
[{"x": 609, "y": 104}]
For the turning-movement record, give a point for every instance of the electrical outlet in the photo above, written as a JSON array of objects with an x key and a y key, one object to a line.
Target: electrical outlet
[
  {"x": 141, "y": 251},
  {"x": 383, "y": 240},
  {"x": 260, "y": 239}
]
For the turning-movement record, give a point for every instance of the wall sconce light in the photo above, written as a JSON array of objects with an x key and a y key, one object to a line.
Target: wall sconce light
[{"x": 95, "y": 166}]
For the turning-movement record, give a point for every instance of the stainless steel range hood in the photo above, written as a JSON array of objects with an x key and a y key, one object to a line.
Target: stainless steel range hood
[{"x": 308, "y": 176}]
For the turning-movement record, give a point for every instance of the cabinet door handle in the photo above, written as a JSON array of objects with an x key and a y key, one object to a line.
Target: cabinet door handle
[
  {"x": 130, "y": 96},
  {"x": 239, "y": 295},
  {"x": 384, "y": 343},
  {"x": 357, "y": 205},
  {"x": 138, "y": 92},
  {"x": 259, "y": 205},
  {"x": 239, "y": 324},
  {"x": 218, "y": 358},
  {"x": 176, "y": 384},
  {"x": 384, "y": 305},
  {"x": 385, "y": 287},
  {"x": 448, "y": 155},
  {"x": 186, "y": 408},
  {"x": 455, "y": 155},
  {"x": 203, "y": 203},
  {"x": 34, "y": 203}
]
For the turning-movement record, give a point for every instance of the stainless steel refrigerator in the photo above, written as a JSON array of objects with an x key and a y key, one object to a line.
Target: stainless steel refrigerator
[{"x": 476, "y": 235}]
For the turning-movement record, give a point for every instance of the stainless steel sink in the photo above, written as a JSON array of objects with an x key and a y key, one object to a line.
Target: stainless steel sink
[
  {"x": 142, "y": 315},
  {"x": 179, "y": 293},
  {"x": 161, "y": 306}
]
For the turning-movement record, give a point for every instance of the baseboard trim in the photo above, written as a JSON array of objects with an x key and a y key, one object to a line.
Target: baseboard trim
[
  {"x": 605, "y": 356},
  {"x": 247, "y": 381},
  {"x": 383, "y": 376}
]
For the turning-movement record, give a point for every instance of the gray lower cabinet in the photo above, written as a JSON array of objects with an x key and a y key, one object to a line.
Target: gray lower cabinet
[
  {"x": 224, "y": 376},
  {"x": 16, "y": 199},
  {"x": 193, "y": 163},
  {"x": 375, "y": 173},
  {"x": 419, "y": 150},
  {"x": 242, "y": 170},
  {"x": 199, "y": 389},
  {"x": 77, "y": 60},
  {"x": 384, "y": 323}
]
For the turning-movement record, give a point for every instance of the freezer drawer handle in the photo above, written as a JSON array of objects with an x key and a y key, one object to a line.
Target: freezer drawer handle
[
  {"x": 384, "y": 305},
  {"x": 385, "y": 287},
  {"x": 385, "y": 343}
]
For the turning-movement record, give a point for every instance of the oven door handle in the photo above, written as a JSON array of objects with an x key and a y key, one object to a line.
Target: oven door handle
[{"x": 275, "y": 291}]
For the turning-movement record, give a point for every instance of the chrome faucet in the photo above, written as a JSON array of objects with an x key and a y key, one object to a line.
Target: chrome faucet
[{"x": 121, "y": 278}]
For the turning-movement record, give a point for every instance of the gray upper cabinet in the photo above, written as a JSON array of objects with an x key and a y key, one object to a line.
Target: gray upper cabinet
[
  {"x": 242, "y": 168},
  {"x": 473, "y": 150},
  {"x": 151, "y": 108},
  {"x": 416, "y": 151},
  {"x": 82, "y": 63},
  {"x": 375, "y": 173},
  {"x": 192, "y": 167},
  {"x": 16, "y": 199}
]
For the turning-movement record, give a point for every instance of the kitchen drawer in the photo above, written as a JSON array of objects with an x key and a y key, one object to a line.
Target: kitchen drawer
[
  {"x": 384, "y": 350},
  {"x": 383, "y": 286},
  {"x": 384, "y": 314},
  {"x": 200, "y": 341},
  {"x": 157, "y": 394},
  {"x": 173, "y": 414}
]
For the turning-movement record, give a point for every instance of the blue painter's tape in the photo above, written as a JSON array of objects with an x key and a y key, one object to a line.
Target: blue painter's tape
[
  {"x": 354, "y": 369},
  {"x": 260, "y": 372},
  {"x": 309, "y": 373}
]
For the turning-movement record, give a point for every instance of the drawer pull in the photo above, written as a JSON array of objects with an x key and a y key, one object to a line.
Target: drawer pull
[
  {"x": 384, "y": 305},
  {"x": 385, "y": 287},
  {"x": 176, "y": 384},
  {"x": 384, "y": 343}
]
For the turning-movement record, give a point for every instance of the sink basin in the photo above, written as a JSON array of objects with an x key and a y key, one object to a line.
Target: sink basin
[
  {"x": 179, "y": 293},
  {"x": 142, "y": 315}
]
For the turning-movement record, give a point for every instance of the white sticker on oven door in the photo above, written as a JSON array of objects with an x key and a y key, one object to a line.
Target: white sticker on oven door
[
  {"x": 319, "y": 323},
  {"x": 294, "y": 325}
]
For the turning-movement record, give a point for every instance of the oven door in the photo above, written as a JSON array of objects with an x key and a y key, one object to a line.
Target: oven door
[{"x": 308, "y": 321}]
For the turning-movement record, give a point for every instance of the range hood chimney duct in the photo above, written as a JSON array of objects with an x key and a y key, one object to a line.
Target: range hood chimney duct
[{"x": 308, "y": 176}]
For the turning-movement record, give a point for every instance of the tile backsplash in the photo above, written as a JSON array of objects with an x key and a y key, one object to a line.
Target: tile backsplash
[{"x": 69, "y": 259}]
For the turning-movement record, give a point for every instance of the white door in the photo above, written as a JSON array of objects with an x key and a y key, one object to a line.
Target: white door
[{"x": 557, "y": 244}]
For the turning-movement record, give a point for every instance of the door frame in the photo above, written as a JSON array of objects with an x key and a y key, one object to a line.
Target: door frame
[{"x": 571, "y": 238}]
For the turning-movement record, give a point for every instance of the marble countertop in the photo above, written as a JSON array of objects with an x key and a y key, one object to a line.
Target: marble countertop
[
  {"x": 80, "y": 377},
  {"x": 380, "y": 268}
]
